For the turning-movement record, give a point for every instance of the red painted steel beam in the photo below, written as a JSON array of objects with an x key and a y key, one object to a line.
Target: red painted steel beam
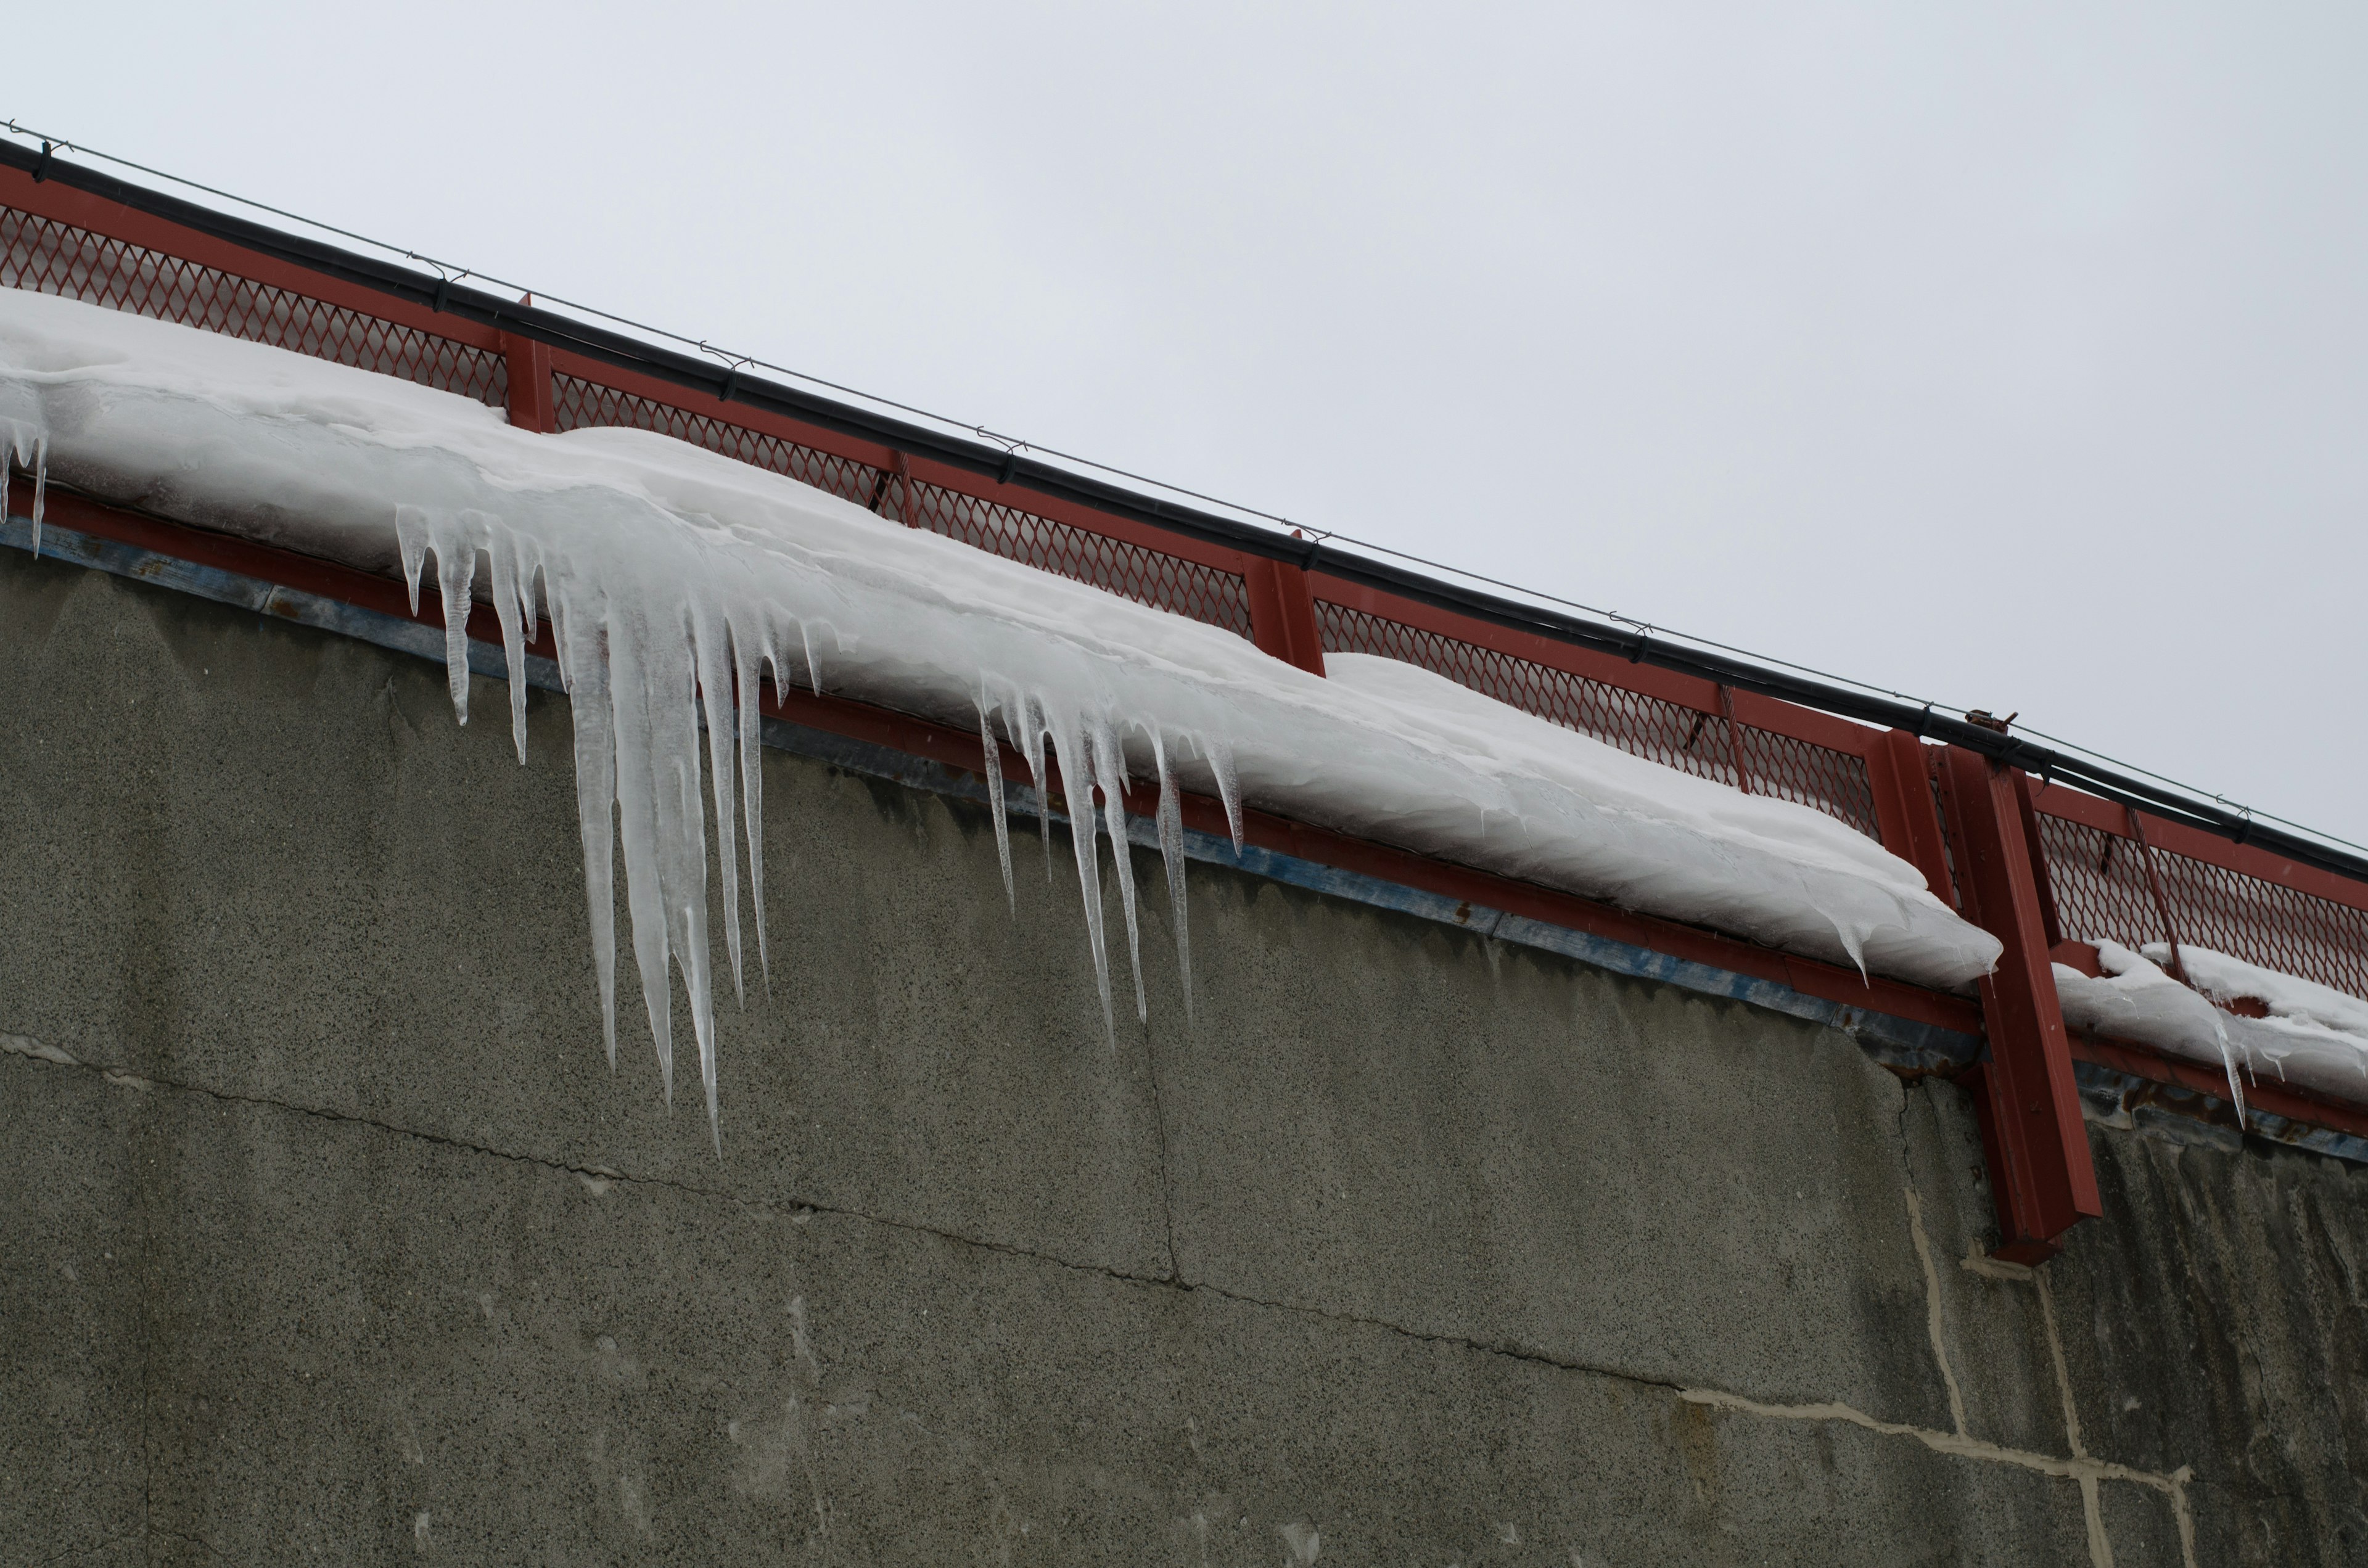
[
  {"x": 2029, "y": 1104},
  {"x": 1904, "y": 809},
  {"x": 1282, "y": 613}
]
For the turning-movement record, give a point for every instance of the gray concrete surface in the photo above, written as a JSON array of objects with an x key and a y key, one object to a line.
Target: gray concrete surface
[{"x": 331, "y": 1236}]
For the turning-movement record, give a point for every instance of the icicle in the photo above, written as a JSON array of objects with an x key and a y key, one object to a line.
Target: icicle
[
  {"x": 40, "y": 483},
  {"x": 713, "y": 659},
  {"x": 530, "y": 559},
  {"x": 1229, "y": 787},
  {"x": 501, "y": 550},
  {"x": 1077, "y": 785},
  {"x": 750, "y": 656},
  {"x": 638, "y": 798},
  {"x": 410, "y": 538},
  {"x": 813, "y": 670},
  {"x": 583, "y": 667},
  {"x": 455, "y": 544},
  {"x": 1032, "y": 747},
  {"x": 1110, "y": 769},
  {"x": 27, "y": 447},
  {"x": 2229, "y": 1061},
  {"x": 992, "y": 758},
  {"x": 1171, "y": 854}
]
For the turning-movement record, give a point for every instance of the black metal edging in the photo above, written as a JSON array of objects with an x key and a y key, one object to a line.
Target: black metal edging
[{"x": 691, "y": 371}]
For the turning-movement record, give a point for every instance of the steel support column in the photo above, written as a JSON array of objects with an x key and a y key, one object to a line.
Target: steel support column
[{"x": 2029, "y": 1104}]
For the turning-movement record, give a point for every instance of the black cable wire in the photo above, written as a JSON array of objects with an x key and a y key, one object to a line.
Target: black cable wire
[{"x": 1640, "y": 632}]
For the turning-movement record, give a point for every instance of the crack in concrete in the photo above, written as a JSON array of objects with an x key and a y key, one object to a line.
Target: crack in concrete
[
  {"x": 2079, "y": 1466},
  {"x": 199, "y": 1542}
]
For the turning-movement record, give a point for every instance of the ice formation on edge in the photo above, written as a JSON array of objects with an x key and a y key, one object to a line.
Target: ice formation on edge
[
  {"x": 676, "y": 581},
  {"x": 2311, "y": 1034},
  {"x": 648, "y": 660}
]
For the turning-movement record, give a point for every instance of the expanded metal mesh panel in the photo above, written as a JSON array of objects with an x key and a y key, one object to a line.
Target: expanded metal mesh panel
[
  {"x": 578, "y": 404},
  {"x": 1667, "y": 732},
  {"x": 1146, "y": 576},
  {"x": 49, "y": 257},
  {"x": 2099, "y": 880},
  {"x": 1801, "y": 771}
]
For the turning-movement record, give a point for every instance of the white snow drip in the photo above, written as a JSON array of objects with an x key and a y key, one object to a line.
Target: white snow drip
[
  {"x": 2313, "y": 1036},
  {"x": 675, "y": 578}
]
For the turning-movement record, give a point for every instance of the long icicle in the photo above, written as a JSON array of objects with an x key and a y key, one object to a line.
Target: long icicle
[
  {"x": 712, "y": 656},
  {"x": 583, "y": 667},
  {"x": 1109, "y": 771},
  {"x": 513, "y": 610},
  {"x": 40, "y": 484},
  {"x": 991, "y": 761},
  {"x": 1171, "y": 855},
  {"x": 1078, "y": 789},
  {"x": 751, "y": 657},
  {"x": 639, "y": 792}
]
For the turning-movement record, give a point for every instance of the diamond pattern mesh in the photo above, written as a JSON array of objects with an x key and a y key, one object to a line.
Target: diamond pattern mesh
[
  {"x": 49, "y": 257},
  {"x": 1146, "y": 576},
  {"x": 2099, "y": 880},
  {"x": 1668, "y": 732}
]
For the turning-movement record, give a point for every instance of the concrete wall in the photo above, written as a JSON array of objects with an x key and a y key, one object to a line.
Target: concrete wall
[{"x": 329, "y": 1235}]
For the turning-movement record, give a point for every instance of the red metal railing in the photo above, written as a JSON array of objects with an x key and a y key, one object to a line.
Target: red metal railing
[
  {"x": 2176, "y": 885},
  {"x": 2074, "y": 866},
  {"x": 51, "y": 257}
]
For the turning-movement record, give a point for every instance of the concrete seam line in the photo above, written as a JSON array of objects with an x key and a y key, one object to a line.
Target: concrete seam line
[
  {"x": 1932, "y": 1319},
  {"x": 1951, "y": 1443},
  {"x": 2100, "y": 1549}
]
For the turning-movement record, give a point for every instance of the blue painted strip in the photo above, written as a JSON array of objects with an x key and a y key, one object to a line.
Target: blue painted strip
[
  {"x": 2118, "y": 1098},
  {"x": 1899, "y": 1042}
]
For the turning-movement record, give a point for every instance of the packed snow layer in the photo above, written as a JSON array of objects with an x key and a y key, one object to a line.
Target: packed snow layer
[
  {"x": 2313, "y": 1037},
  {"x": 676, "y": 578}
]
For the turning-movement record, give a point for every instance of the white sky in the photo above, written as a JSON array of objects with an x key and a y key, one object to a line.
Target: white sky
[{"x": 2017, "y": 358}]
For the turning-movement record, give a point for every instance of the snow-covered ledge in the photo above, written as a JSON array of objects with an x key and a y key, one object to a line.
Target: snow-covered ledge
[{"x": 675, "y": 578}]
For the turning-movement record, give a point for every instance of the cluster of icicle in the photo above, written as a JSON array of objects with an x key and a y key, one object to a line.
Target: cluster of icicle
[
  {"x": 645, "y": 667},
  {"x": 27, "y": 448}
]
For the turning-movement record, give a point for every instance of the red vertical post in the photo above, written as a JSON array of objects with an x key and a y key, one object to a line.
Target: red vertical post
[
  {"x": 1282, "y": 613},
  {"x": 2029, "y": 1107},
  {"x": 1904, "y": 808},
  {"x": 1733, "y": 737},
  {"x": 531, "y": 400}
]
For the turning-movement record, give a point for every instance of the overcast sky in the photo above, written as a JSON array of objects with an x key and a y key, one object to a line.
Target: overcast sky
[{"x": 2016, "y": 356}]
